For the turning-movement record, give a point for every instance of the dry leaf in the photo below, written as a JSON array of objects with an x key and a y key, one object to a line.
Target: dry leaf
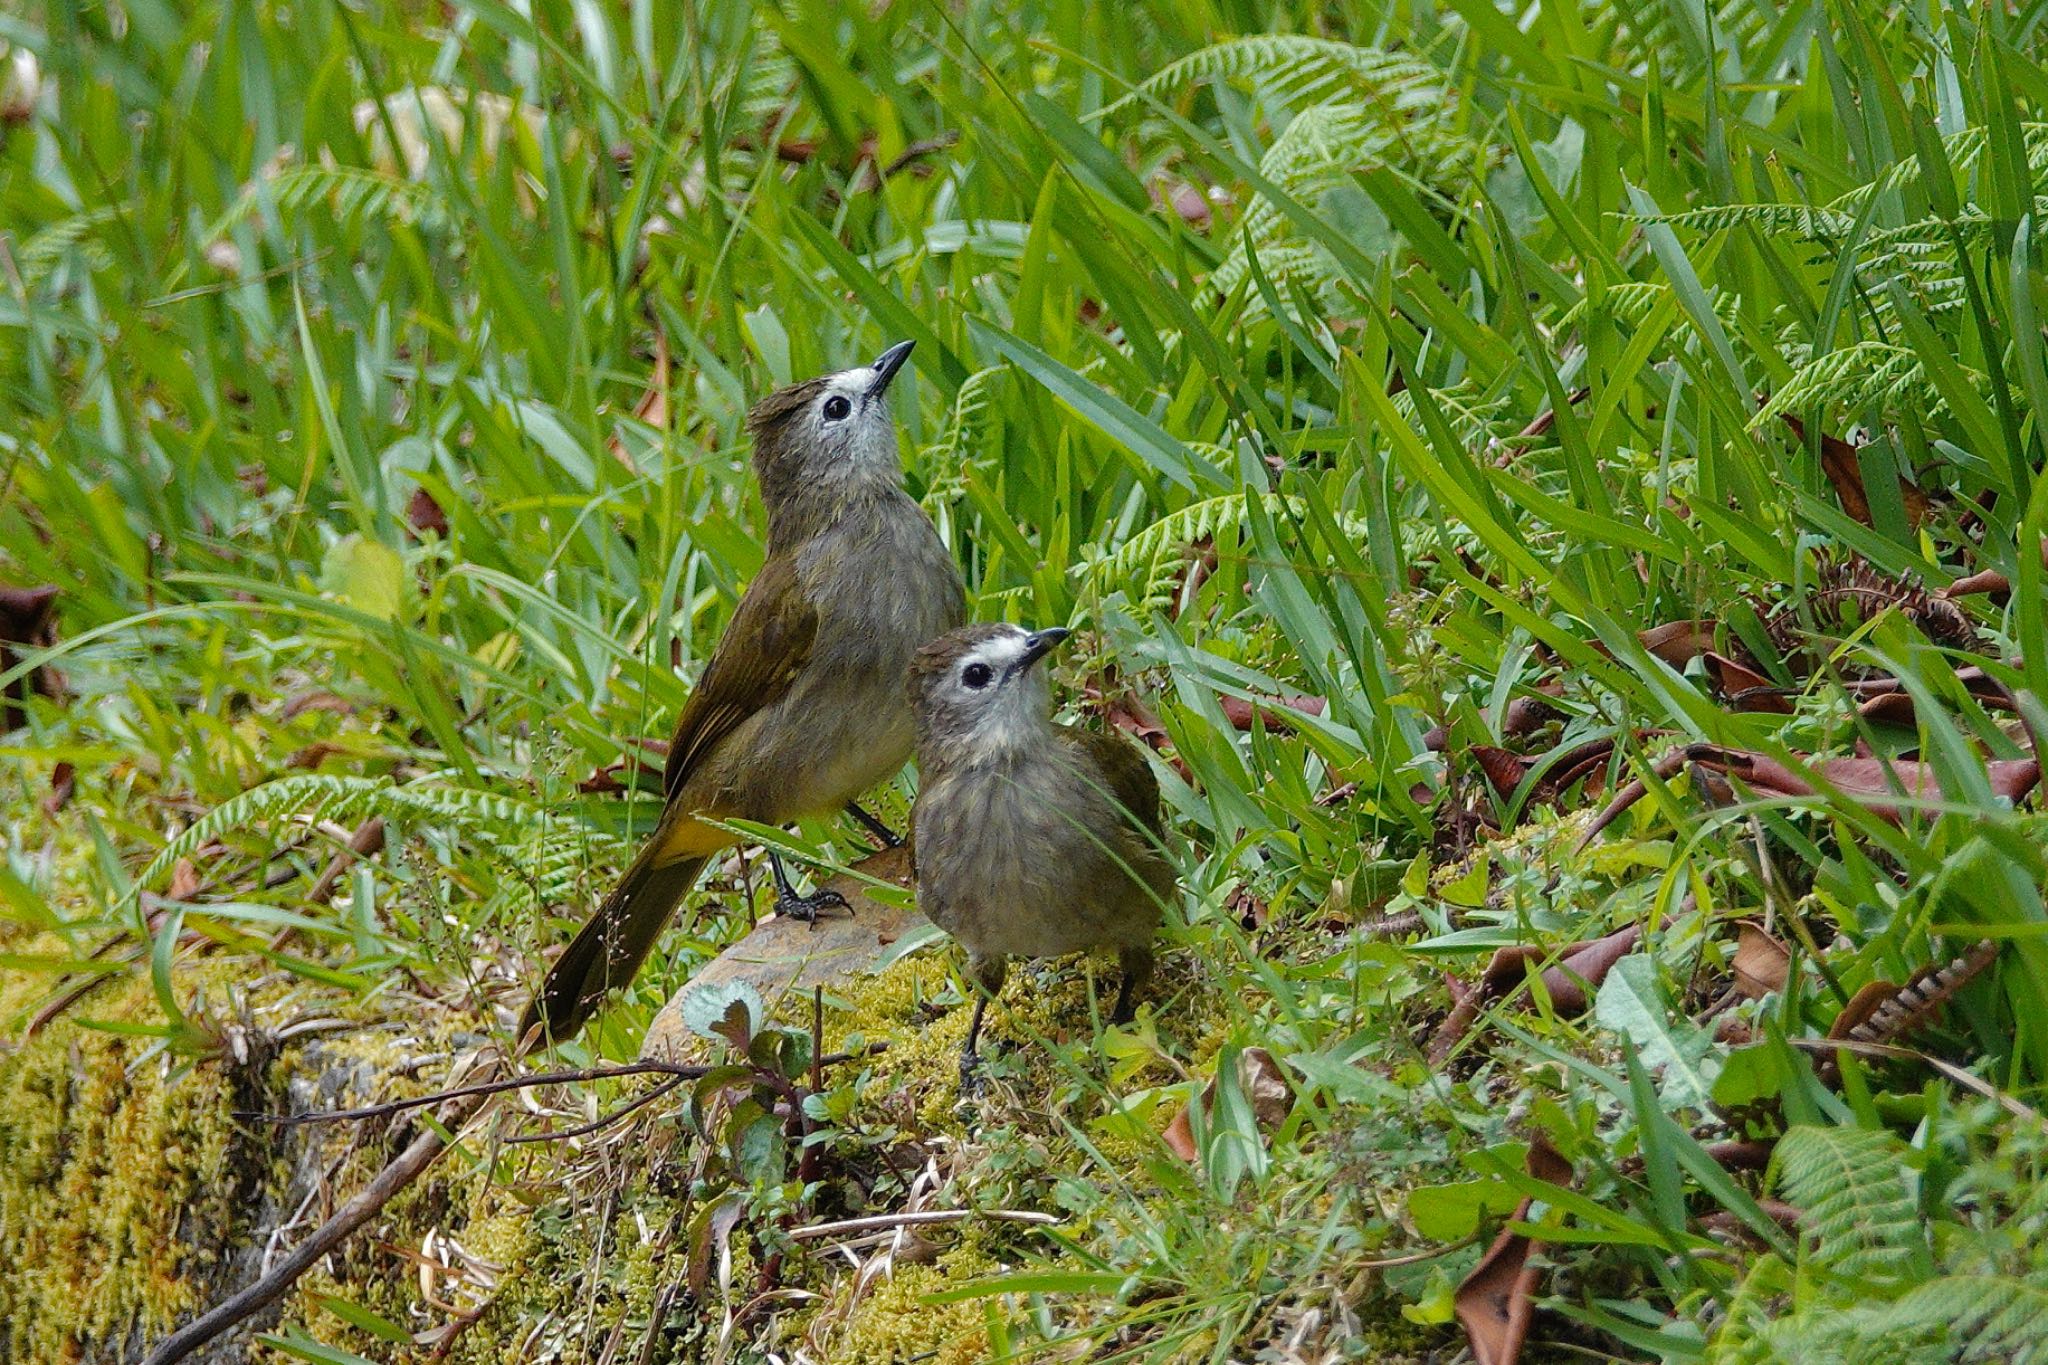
[
  {"x": 1240, "y": 712},
  {"x": 63, "y": 782},
  {"x": 424, "y": 515},
  {"x": 28, "y": 621},
  {"x": 652, "y": 409},
  {"x": 1761, "y": 962},
  {"x": 1497, "y": 1300},
  {"x": 1745, "y": 688},
  {"x": 1862, "y": 1006},
  {"x": 1873, "y": 782},
  {"x": 1504, "y": 771},
  {"x": 1587, "y": 961},
  {"x": 1839, "y": 461},
  {"x": 1678, "y": 643},
  {"x": 1265, "y": 1087}
]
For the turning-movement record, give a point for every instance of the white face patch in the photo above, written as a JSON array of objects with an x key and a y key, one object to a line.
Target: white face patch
[
  {"x": 1004, "y": 702},
  {"x": 850, "y": 424}
]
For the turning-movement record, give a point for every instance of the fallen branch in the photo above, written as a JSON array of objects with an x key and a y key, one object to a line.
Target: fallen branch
[{"x": 363, "y": 1206}]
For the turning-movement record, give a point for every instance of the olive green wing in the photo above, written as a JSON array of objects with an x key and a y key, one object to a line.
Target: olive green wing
[
  {"x": 1125, "y": 773},
  {"x": 765, "y": 647}
]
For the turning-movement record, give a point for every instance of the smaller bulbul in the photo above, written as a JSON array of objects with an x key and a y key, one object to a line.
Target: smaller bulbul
[{"x": 1030, "y": 839}]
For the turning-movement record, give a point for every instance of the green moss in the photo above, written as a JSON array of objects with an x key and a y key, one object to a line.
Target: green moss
[{"x": 121, "y": 1182}]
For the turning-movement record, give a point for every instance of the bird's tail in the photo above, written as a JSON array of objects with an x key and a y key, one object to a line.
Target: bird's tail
[{"x": 611, "y": 947}]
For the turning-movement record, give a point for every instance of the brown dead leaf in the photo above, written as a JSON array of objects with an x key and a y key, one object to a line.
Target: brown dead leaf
[
  {"x": 424, "y": 515},
  {"x": 184, "y": 881},
  {"x": 317, "y": 701},
  {"x": 1525, "y": 715},
  {"x": 1989, "y": 582},
  {"x": 1889, "y": 708},
  {"x": 28, "y": 622},
  {"x": 1265, "y": 1087},
  {"x": 1496, "y": 1302},
  {"x": 1587, "y": 961},
  {"x": 314, "y": 754},
  {"x": 645, "y": 768},
  {"x": 1504, "y": 771},
  {"x": 1240, "y": 712},
  {"x": 1187, "y": 201},
  {"x": 63, "y": 782},
  {"x": 1760, "y": 961},
  {"x": 1128, "y": 713},
  {"x": 652, "y": 409},
  {"x": 1746, "y": 689},
  {"x": 1873, "y": 782},
  {"x": 1839, "y": 461},
  {"x": 1678, "y": 643},
  {"x": 1862, "y": 1006}
]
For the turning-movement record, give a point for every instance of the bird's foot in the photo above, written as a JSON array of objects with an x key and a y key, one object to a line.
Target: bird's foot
[
  {"x": 972, "y": 1082},
  {"x": 805, "y": 908},
  {"x": 808, "y": 908}
]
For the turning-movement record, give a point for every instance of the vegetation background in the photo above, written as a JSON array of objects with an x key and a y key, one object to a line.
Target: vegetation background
[{"x": 1435, "y": 417}]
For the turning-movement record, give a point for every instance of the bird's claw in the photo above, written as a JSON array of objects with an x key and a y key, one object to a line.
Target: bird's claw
[{"x": 808, "y": 908}]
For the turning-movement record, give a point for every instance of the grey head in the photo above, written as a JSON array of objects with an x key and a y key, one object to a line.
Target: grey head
[
  {"x": 978, "y": 692},
  {"x": 823, "y": 440}
]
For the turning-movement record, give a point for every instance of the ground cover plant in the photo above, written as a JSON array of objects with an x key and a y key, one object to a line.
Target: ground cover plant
[{"x": 1555, "y": 489}]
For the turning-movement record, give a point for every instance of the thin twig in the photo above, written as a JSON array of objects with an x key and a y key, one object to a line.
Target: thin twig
[
  {"x": 378, "y": 1111},
  {"x": 601, "y": 1073},
  {"x": 584, "y": 1129},
  {"x": 1906, "y": 1054},
  {"x": 1417, "y": 1257},
  {"x": 883, "y": 1221}
]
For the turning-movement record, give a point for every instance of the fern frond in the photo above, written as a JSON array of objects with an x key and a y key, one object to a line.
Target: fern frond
[
  {"x": 1864, "y": 374},
  {"x": 1849, "y": 1185},
  {"x": 1963, "y": 148},
  {"x": 42, "y": 252},
  {"x": 1630, "y": 303},
  {"x": 1303, "y": 70},
  {"x": 311, "y": 796},
  {"x": 550, "y": 851},
  {"x": 1984, "y": 1317},
  {"x": 1795, "y": 219},
  {"x": 1758, "y": 1299},
  {"x": 1148, "y": 564}
]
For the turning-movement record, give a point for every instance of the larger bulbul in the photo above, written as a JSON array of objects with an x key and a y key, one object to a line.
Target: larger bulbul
[
  {"x": 801, "y": 707},
  {"x": 1031, "y": 839}
]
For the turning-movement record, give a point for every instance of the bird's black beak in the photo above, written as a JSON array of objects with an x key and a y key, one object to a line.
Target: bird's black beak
[
  {"x": 1037, "y": 645},
  {"x": 886, "y": 365}
]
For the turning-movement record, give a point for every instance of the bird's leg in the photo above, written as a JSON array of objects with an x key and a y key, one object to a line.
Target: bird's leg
[
  {"x": 805, "y": 908},
  {"x": 970, "y": 1059},
  {"x": 1137, "y": 968},
  {"x": 867, "y": 821},
  {"x": 988, "y": 974}
]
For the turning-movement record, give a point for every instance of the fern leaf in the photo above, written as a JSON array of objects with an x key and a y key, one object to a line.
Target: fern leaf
[
  {"x": 1865, "y": 374},
  {"x": 313, "y": 796},
  {"x": 1849, "y": 1185},
  {"x": 1986, "y": 1317},
  {"x": 1303, "y": 70}
]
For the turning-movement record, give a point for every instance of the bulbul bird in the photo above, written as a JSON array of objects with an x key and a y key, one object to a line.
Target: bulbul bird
[
  {"x": 1029, "y": 839},
  {"x": 801, "y": 708}
]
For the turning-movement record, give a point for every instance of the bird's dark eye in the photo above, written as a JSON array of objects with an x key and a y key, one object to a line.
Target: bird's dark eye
[
  {"x": 836, "y": 408},
  {"x": 976, "y": 675}
]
